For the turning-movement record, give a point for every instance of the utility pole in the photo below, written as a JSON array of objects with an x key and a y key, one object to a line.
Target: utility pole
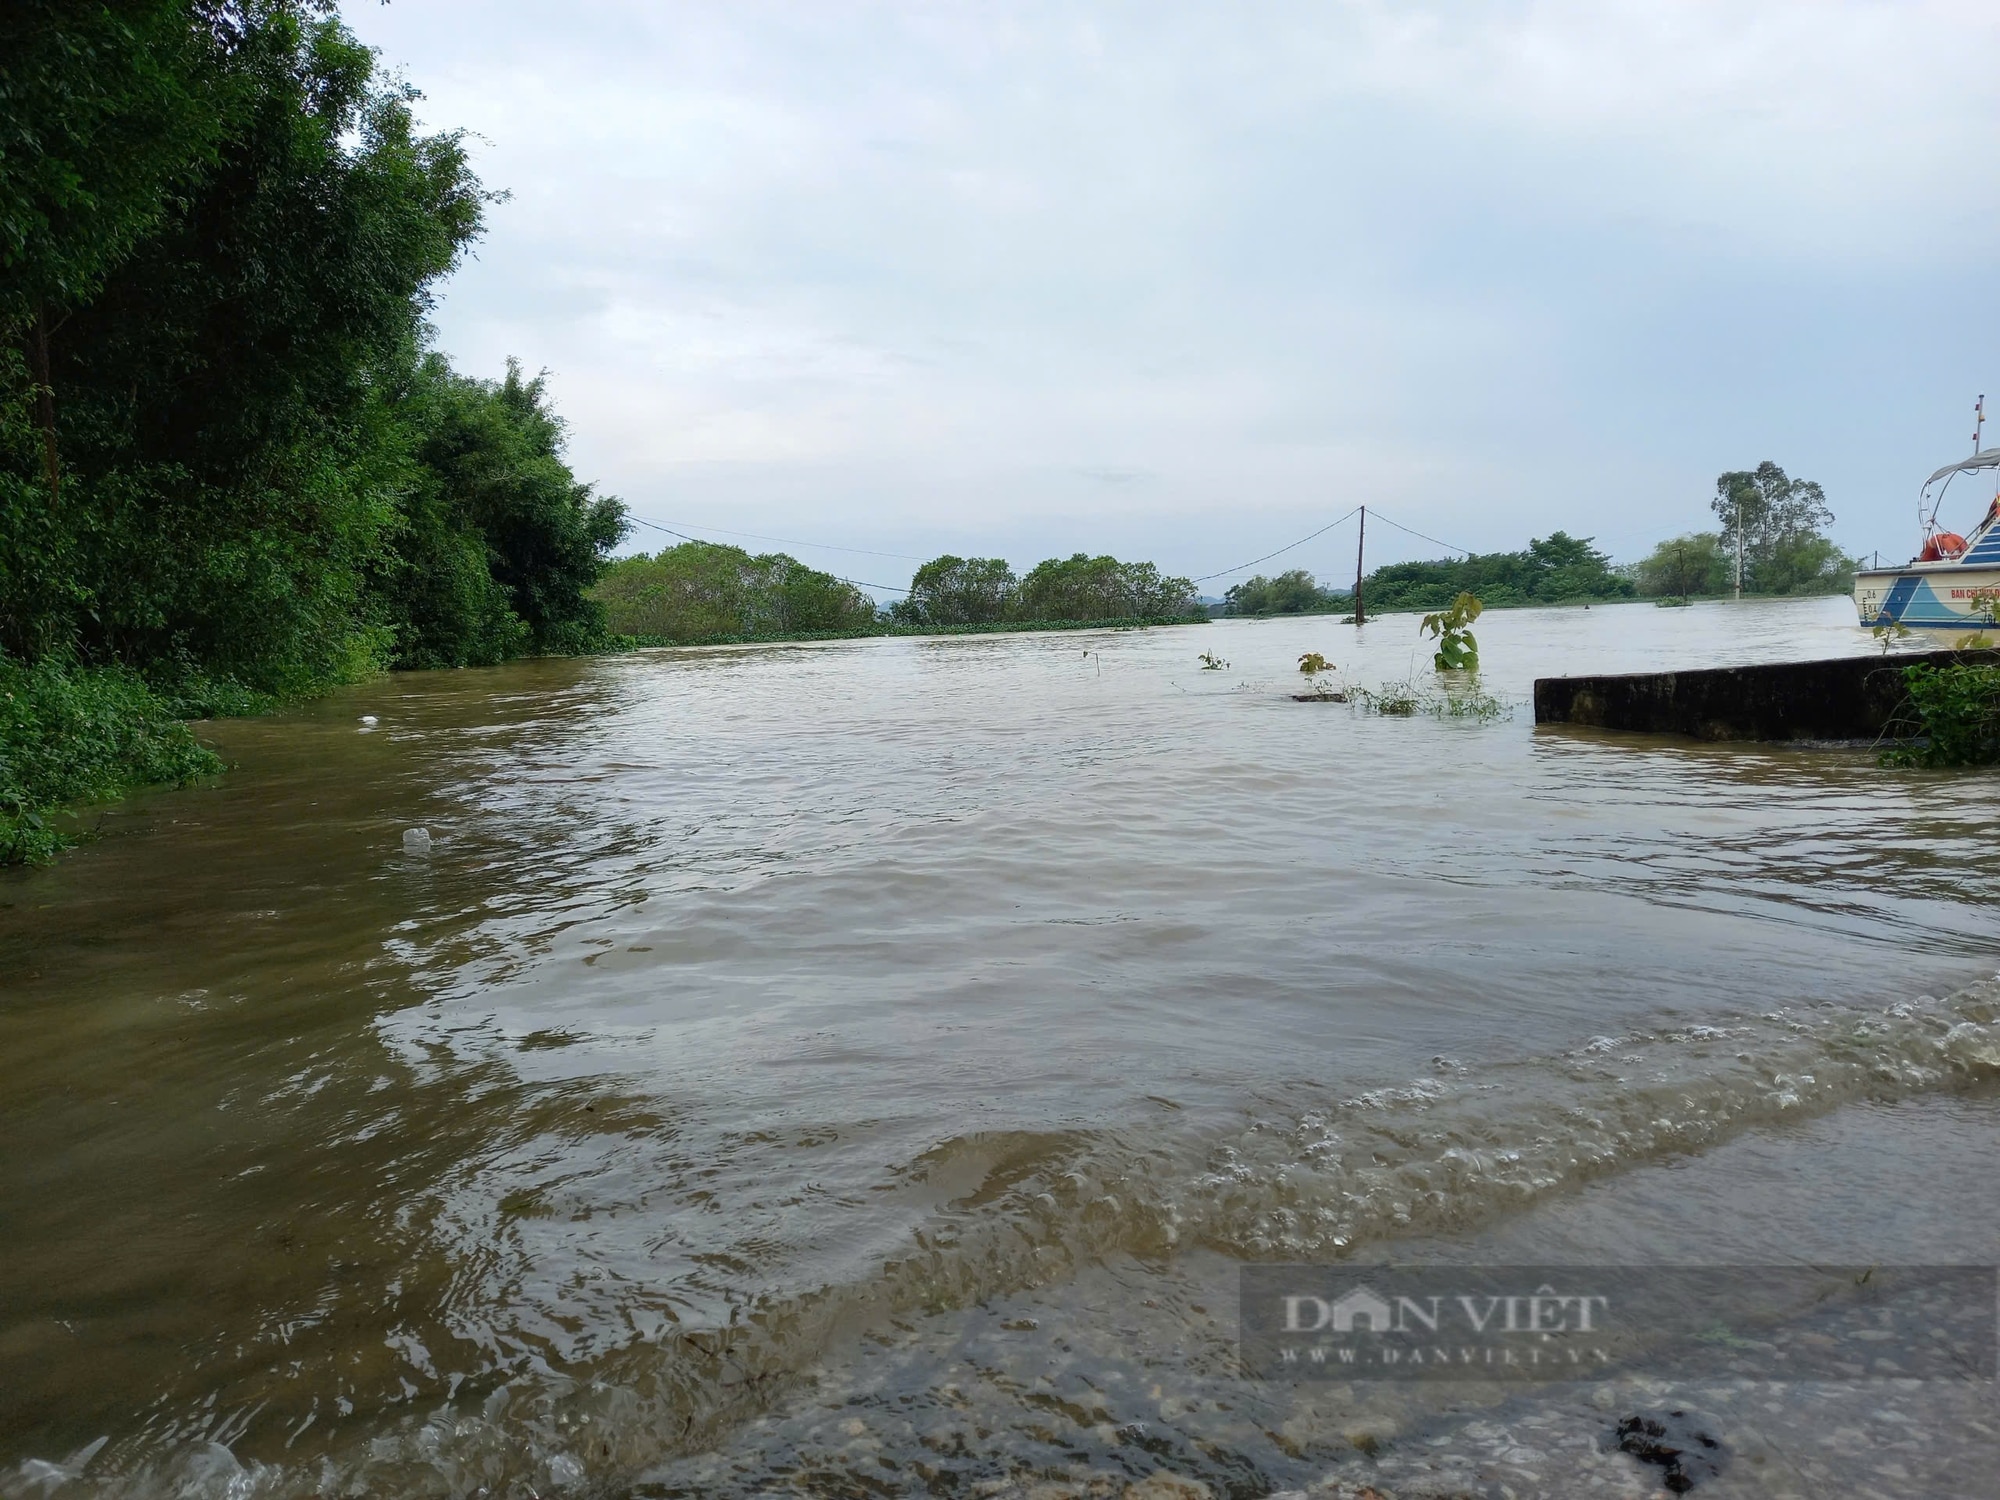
[
  {"x": 1739, "y": 546},
  {"x": 1359, "y": 547}
]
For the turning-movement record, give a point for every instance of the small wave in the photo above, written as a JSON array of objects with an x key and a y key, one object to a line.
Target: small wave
[{"x": 1302, "y": 1177}]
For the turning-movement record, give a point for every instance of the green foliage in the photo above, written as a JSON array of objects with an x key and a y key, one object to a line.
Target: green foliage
[
  {"x": 231, "y": 465},
  {"x": 1957, "y": 712},
  {"x": 1781, "y": 520},
  {"x": 1685, "y": 567},
  {"x": 952, "y": 590},
  {"x": 105, "y": 110},
  {"x": 1457, "y": 650},
  {"x": 1210, "y": 662},
  {"x": 1081, "y": 587},
  {"x": 1890, "y": 633},
  {"x": 500, "y": 545},
  {"x": 1552, "y": 570},
  {"x": 1291, "y": 593},
  {"x": 72, "y": 734},
  {"x": 1312, "y": 662},
  {"x": 225, "y": 230},
  {"x": 705, "y": 591}
]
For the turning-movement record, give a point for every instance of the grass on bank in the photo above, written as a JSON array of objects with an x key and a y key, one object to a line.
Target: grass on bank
[{"x": 72, "y": 735}]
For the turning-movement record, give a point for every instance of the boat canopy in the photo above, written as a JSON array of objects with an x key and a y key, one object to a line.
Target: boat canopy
[{"x": 1988, "y": 458}]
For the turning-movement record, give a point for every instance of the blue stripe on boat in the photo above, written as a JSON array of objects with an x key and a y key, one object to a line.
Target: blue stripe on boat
[{"x": 1898, "y": 600}]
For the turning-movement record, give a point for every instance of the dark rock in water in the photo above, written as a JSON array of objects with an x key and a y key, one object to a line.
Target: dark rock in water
[{"x": 1684, "y": 1443}]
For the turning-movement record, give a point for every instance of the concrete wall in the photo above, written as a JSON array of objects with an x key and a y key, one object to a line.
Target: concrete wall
[{"x": 1849, "y": 698}]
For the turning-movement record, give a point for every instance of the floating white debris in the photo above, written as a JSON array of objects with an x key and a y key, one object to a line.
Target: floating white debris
[
  {"x": 368, "y": 721},
  {"x": 416, "y": 841}
]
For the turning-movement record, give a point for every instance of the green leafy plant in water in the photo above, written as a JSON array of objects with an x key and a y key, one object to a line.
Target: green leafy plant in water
[
  {"x": 1957, "y": 716},
  {"x": 1457, "y": 650},
  {"x": 1889, "y": 632},
  {"x": 1676, "y": 601},
  {"x": 1210, "y": 662},
  {"x": 1320, "y": 687}
]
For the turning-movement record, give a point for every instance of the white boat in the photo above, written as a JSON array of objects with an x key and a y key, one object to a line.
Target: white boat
[{"x": 1953, "y": 583}]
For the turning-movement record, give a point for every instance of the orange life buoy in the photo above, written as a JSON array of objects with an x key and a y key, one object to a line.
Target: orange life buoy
[{"x": 1946, "y": 546}]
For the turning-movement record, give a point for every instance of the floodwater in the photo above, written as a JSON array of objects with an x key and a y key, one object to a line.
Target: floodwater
[{"x": 762, "y": 1022}]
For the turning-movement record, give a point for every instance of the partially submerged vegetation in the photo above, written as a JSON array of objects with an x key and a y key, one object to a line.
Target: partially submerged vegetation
[
  {"x": 1454, "y": 694},
  {"x": 1785, "y": 552},
  {"x": 73, "y": 734},
  {"x": 1782, "y": 523},
  {"x": 227, "y": 452},
  {"x": 702, "y": 593},
  {"x": 1953, "y": 716},
  {"x": 1556, "y": 569}
]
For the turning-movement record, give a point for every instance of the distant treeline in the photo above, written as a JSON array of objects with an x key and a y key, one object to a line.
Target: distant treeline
[
  {"x": 1785, "y": 551},
  {"x": 706, "y": 591},
  {"x": 1553, "y": 570}
]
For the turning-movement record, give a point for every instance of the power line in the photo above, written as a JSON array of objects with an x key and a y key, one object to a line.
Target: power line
[
  {"x": 1420, "y": 535},
  {"x": 860, "y": 583},
  {"x": 905, "y": 557},
  {"x": 1282, "y": 550},
  {"x": 784, "y": 540}
]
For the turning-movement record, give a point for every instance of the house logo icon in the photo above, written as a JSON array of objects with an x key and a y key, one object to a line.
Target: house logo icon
[{"x": 1361, "y": 1307}]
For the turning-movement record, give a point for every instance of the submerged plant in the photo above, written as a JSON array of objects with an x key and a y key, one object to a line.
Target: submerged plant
[
  {"x": 1210, "y": 662},
  {"x": 1457, "y": 650},
  {"x": 1321, "y": 685},
  {"x": 1463, "y": 700},
  {"x": 1675, "y": 601},
  {"x": 1889, "y": 632}
]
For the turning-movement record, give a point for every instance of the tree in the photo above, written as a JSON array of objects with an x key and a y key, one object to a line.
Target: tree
[
  {"x": 1081, "y": 587},
  {"x": 1686, "y": 566},
  {"x": 1552, "y": 569},
  {"x": 234, "y": 450},
  {"x": 1779, "y": 521},
  {"x": 1290, "y": 593},
  {"x": 952, "y": 590},
  {"x": 105, "y": 111},
  {"x": 1560, "y": 566},
  {"x": 703, "y": 591},
  {"x": 499, "y": 544}
]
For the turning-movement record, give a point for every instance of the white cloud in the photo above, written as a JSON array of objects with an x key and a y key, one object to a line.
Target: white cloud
[{"x": 917, "y": 276}]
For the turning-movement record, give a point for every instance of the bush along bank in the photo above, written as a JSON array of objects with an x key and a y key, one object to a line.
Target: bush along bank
[
  {"x": 1956, "y": 710},
  {"x": 71, "y": 735},
  {"x": 228, "y": 452}
]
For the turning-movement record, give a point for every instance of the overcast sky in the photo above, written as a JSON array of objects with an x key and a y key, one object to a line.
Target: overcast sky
[{"x": 1183, "y": 281}]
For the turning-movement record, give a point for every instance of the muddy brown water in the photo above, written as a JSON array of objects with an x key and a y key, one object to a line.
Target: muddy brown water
[{"x": 751, "y": 1003}]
